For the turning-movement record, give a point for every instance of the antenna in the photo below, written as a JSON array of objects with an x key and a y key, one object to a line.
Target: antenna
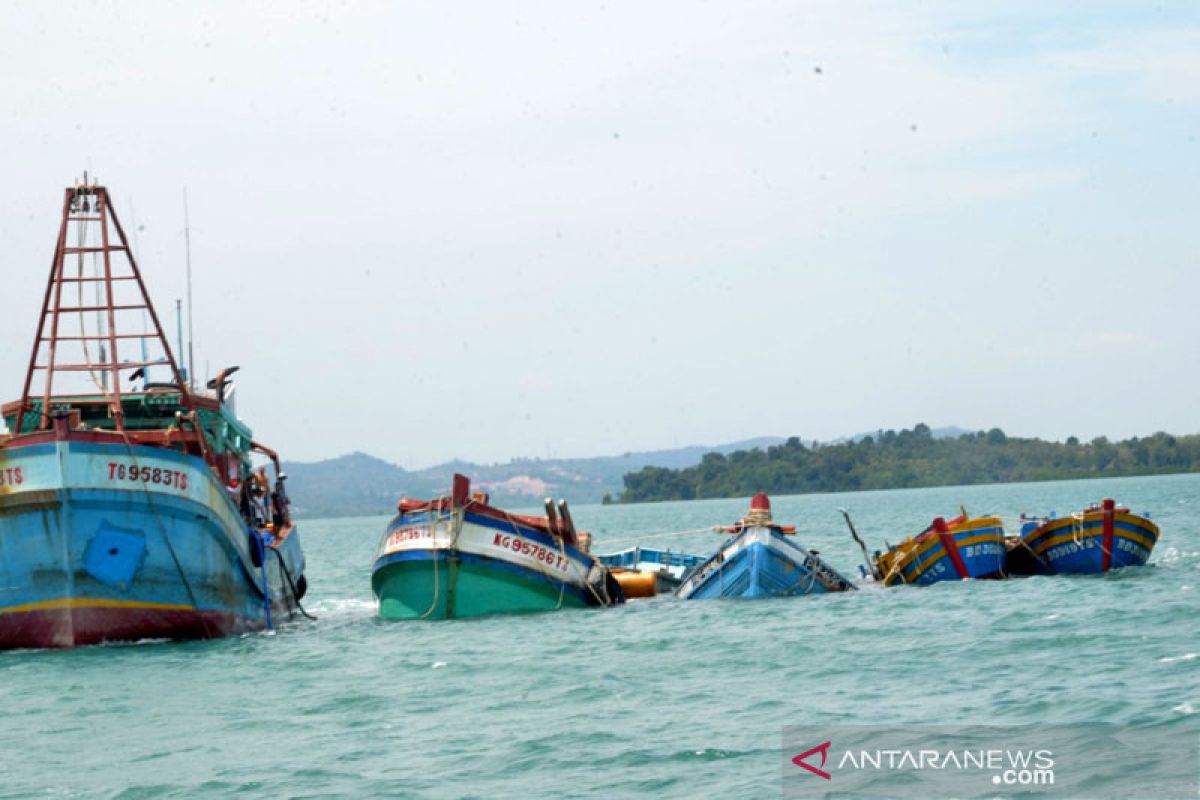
[
  {"x": 137, "y": 253},
  {"x": 179, "y": 327},
  {"x": 187, "y": 245}
]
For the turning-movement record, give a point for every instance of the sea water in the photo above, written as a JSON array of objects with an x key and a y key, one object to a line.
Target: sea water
[{"x": 655, "y": 698}]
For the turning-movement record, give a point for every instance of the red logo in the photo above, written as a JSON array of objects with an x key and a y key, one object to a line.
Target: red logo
[{"x": 823, "y": 749}]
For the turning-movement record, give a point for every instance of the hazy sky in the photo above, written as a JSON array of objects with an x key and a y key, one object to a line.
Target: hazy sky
[{"x": 486, "y": 230}]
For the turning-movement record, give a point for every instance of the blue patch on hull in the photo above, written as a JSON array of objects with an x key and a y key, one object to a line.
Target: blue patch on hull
[
  {"x": 114, "y": 555},
  {"x": 113, "y": 548}
]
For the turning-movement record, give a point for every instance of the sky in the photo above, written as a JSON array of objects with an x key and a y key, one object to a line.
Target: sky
[{"x": 490, "y": 230}]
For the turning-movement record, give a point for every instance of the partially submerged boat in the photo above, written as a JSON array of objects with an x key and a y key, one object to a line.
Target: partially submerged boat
[
  {"x": 1100, "y": 538},
  {"x": 647, "y": 571},
  {"x": 130, "y": 512},
  {"x": 458, "y": 556},
  {"x": 760, "y": 559},
  {"x": 956, "y": 549}
]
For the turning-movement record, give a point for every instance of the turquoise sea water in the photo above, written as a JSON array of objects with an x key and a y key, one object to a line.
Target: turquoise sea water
[{"x": 656, "y": 698}]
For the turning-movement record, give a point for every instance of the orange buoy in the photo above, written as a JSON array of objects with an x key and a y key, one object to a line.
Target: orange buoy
[{"x": 636, "y": 583}]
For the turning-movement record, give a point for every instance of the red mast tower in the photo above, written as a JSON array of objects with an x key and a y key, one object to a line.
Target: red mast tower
[{"x": 95, "y": 312}]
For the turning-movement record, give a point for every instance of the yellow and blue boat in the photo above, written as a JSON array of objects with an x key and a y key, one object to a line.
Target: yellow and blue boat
[
  {"x": 1096, "y": 540},
  {"x": 958, "y": 549}
]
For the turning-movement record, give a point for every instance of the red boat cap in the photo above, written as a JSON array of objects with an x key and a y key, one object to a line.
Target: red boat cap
[{"x": 760, "y": 509}]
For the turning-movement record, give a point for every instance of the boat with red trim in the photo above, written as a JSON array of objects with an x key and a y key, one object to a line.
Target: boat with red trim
[
  {"x": 130, "y": 512},
  {"x": 1101, "y": 538},
  {"x": 458, "y": 556},
  {"x": 956, "y": 549},
  {"x": 761, "y": 559}
]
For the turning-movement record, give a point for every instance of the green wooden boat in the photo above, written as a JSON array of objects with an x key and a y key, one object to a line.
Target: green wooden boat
[{"x": 458, "y": 556}]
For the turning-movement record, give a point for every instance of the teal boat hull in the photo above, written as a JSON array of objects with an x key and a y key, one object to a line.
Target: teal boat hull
[{"x": 456, "y": 586}]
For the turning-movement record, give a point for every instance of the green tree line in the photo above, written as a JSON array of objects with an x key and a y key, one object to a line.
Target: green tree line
[{"x": 908, "y": 459}]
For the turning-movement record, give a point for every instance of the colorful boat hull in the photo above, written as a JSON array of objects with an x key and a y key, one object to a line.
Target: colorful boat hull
[
  {"x": 761, "y": 561},
  {"x": 454, "y": 564},
  {"x": 973, "y": 548},
  {"x": 1090, "y": 543},
  {"x": 102, "y": 542}
]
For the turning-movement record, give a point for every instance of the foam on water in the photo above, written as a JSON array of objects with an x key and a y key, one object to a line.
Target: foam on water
[{"x": 655, "y": 697}]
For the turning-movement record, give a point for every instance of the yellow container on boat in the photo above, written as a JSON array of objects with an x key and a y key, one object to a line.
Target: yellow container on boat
[{"x": 637, "y": 583}]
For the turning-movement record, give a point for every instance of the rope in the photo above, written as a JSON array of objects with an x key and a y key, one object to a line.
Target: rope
[
  {"x": 433, "y": 523},
  {"x": 153, "y": 509},
  {"x": 260, "y": 540},
  {"x": 1022, "y": 543},
  {"x": 663, "y": 535},
  {"x": 562, "y": 550},
  {"x": 288, "y": 574},
  {"x": 187, "y": 585},
  {"x": 1077, "y": 528}
]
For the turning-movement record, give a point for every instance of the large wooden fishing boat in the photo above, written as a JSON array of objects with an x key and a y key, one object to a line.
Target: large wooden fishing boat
[
  {"x": 458, "y": 556},
  {"x": 956, "y": 549},
  {"x": 1100, "y": 538},
  {"x": 130, "y": 512},
  {"x": 759, "y": 559}
]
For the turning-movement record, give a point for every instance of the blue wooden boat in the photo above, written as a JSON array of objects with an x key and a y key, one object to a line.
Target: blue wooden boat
[
  {"x": 130, "y": 511},
  {"x": 647, "y": 571},
  {"x": 1100, "y": 538},
  {"x": 761, "y": 560},
  {"x": 958, "y": 549}
]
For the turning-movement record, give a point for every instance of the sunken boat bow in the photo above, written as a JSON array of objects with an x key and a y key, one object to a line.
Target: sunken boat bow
[{"x": 459, "y": 556}]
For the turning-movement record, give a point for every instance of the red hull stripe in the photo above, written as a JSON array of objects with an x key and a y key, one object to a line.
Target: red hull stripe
[
  {"x": 74, "y": 626},
  {"x": 951, "y": 548},
  {"x": 1106, "y": 552}
]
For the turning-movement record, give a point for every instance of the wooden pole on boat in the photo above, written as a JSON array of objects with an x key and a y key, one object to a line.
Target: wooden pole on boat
[
  {"x": 568, "y": 524},
  {"x": 871, "y": 565},
  {"x": 552, "y": 518},
  {"x": 460, "y": 491}
]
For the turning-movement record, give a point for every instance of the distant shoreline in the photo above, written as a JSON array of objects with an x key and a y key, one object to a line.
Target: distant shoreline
[
  {"x": 911, "y": 459},
  {"x": 530, "y": 503}
]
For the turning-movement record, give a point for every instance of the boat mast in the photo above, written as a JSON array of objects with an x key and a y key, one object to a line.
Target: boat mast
[
  {"x": 187, "y": 246},
  {"x": 90, "y": 205}
]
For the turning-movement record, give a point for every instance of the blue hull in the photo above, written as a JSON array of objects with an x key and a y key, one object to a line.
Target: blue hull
[
  {"x": 85, "y": 558},
  {"x": 760, "y": 562},
  {"x": 982, "y": 561},
  {"x": 972, "y": 549},
  {"x": 1085, "y": 545}
]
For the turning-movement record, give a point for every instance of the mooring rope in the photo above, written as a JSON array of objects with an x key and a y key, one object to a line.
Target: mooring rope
[
  {"x": 187, "y": 585},
  {"x": 660, "y": 535},
  {"x": 433, "y": 523}
]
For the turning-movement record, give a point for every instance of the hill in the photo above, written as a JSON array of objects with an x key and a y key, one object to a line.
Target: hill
[
  {"x": 908, "y": 459},
  {"x": 360, "y": 484}
]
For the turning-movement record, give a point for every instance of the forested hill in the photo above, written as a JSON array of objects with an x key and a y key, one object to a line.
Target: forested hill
[{"x": 907, "y": 459}]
